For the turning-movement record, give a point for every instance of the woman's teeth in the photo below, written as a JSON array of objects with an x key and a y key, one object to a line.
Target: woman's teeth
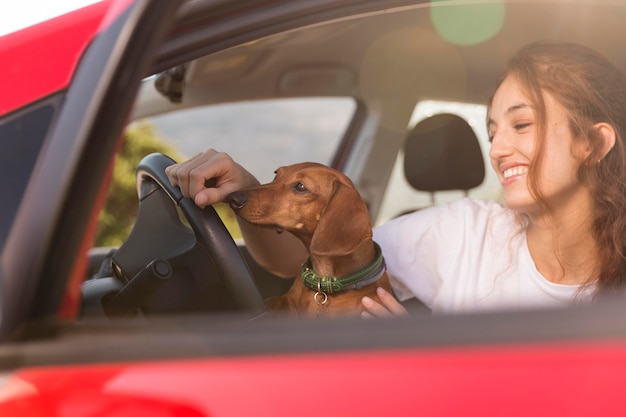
[{"x": 519, "y": 170}]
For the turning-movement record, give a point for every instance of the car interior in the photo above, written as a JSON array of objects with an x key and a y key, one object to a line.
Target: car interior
[{"x": 389, "y": 63}]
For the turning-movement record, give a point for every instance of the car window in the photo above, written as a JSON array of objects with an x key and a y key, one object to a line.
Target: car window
[
  {"x": 262, "y": 135},
  {"x": 21, "y": 137},
  {"x": 388, "y": 63}
]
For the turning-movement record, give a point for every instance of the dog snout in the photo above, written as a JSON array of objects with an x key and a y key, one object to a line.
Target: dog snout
[{"x": 237, "y": 200}]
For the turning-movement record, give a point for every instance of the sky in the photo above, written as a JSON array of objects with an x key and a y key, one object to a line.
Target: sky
[{"x": 18, "y": 14}]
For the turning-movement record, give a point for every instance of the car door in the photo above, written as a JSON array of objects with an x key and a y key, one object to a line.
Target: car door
[
  {"x": 39, "y": 256},
  {"x": 488, "y": 364}
]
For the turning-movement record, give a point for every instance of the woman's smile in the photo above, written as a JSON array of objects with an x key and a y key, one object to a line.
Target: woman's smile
[{"x": 513, "y": 173}]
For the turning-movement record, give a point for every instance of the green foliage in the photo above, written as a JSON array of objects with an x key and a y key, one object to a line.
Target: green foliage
[{"x": 118, "y": 215}]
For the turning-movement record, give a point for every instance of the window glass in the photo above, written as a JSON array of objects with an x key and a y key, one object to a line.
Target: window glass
[
  {"x": 21, "y": 137},
  {"x": 262, "y": 135}
]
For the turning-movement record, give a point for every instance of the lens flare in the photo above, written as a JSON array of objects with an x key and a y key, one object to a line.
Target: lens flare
[{"x": 467, "y": 24}]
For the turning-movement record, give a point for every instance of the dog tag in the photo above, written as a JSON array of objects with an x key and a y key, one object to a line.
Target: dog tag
[{"x": 324, "y": 298}]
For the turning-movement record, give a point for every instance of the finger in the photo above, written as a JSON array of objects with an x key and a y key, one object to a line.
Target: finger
[
  {"x": 374, "y": 308},
  {"x": 172, "y": 173},
  {"x": 169, "y": 172},
  {"x": 390, "y": 302},
  {"x": 178, "y": 174},
  {"x": 218, "y": 168},
  {"x": 198, "y": 175},
  {"x": 224, "y": 176},
  {"x": 192, "y": 175},
  {"x": 213, "y": 195}
]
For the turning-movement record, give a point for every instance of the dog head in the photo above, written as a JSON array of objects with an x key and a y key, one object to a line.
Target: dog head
[{"x": 317, "y": 204}]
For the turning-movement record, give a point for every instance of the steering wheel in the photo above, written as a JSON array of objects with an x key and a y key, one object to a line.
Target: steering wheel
[{"x": 198, "y": 265}]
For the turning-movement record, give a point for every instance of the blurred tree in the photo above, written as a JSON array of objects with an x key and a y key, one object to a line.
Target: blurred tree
[{"x": 118, "y": 215}]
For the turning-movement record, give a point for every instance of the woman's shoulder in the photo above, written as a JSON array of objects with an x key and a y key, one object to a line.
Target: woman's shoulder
[
  {"x": 475, "y": 208},
  {"x": 463, "y": 209},
  {"x": 464, "y": 214},
  {"x": 477, "y": 204}
]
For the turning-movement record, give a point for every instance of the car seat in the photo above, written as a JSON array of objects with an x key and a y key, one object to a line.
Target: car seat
[{"x": 442, "y": 153}]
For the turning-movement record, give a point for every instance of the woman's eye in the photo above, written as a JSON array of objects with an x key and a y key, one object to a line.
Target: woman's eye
[
  {"x": 299, "y": 187},
  {"x": 521, "y": 126}
]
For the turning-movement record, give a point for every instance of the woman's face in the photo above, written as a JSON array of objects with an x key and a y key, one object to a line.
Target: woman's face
[{"x": 513, "y": 132}]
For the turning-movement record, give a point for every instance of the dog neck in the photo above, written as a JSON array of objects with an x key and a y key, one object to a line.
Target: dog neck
[
  {"x": 339, "y": 262},
  {"x": 335, "y": 281}
]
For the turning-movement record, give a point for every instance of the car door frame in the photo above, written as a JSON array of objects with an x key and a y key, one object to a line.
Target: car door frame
[{"x": 48, "y": 231}]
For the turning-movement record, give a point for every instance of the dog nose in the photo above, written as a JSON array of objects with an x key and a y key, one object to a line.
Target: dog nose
[{"x": 237, "y": 200}]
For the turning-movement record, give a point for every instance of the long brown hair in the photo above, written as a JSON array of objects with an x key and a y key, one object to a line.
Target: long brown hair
[{"x": 592, "y": 90}]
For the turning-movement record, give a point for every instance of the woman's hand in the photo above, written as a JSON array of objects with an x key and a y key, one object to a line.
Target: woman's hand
[
  {"x": 217, "y": 168},
  {"x": 387, "y": 307}
]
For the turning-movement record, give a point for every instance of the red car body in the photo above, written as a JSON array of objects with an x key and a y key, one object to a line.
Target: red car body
[
  {"x": 542, "y": 379},
  {"x": 570, "y": 372},
  {"x": 28, "y": 51}
]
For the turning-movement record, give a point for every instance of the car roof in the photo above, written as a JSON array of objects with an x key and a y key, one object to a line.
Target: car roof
[{"x": 425, "y": 47}]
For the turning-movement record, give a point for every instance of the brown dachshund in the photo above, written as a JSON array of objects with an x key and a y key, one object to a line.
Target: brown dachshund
[{"x": 321, "y": 207}]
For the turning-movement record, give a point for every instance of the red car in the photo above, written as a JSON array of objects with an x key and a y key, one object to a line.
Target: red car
[{"x": 344, "y": 82}]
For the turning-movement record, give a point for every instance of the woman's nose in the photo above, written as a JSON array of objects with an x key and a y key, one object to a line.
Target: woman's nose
[{"x": 500, "y": 145}]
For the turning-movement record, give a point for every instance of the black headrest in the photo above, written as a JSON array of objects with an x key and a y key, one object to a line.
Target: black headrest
[{"x": 442, "y": 153}]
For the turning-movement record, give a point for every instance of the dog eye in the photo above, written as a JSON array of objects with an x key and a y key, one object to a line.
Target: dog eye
[{"x": 299, "y": 187}]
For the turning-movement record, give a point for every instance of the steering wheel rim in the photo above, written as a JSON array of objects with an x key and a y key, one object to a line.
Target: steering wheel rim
[{"x": 209, "y": 232}]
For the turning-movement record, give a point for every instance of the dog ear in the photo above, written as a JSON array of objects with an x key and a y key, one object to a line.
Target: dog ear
[{"x": 343, "y": 225}]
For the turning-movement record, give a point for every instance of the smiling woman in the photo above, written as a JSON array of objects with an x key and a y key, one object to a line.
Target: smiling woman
[
  {"x": 548, "y": 140},
  {"x": 574, "y": 150}
]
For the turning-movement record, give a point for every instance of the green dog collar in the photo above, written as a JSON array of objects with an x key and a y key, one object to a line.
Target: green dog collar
[{"x": 331, "y": 284}]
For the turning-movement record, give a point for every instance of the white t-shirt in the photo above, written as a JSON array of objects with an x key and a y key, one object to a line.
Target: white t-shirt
[{"x": 465, "y": 256}]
